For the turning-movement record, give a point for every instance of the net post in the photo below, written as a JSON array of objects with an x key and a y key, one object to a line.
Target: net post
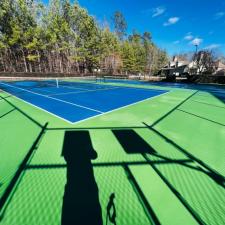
[{"x": 57, "y": 83}]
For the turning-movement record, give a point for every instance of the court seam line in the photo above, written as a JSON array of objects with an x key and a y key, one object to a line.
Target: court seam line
[
  {"x": 201, "y": 117},
  {"x": 104, "y": 89},
  {"x": 205, "y": 103},
  {"x": 46, "y": 96}
]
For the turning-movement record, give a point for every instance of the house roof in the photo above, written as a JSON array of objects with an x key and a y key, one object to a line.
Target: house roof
[{"x": 220, "y": 65}]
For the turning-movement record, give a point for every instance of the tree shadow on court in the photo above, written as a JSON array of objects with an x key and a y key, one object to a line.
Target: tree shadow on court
[{"x": 81, "y": 200}]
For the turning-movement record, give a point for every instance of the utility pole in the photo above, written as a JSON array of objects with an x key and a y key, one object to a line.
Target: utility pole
[
  {"x": 196, "y": 53},
  {"x": 196, "y": 50}
]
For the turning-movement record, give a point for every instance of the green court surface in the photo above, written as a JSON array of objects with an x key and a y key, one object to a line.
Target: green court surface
[{"x": 178, "y": 179}]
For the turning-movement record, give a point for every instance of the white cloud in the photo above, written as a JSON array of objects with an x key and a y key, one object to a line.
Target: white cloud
[
  {"x": 219, "y": 15},
  {"x": 188, "y": 37},
  {"x": 171, "y": 21},
  {"x": 212, "y": 46},
  {"x": 196, "y": 41},
  {"x": 176, "y": 42},
  {"x": 158, "y": 11}
]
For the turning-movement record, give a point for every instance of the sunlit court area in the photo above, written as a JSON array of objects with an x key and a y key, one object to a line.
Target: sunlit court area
[
  {"x": 112, "y": 113},
  {"x": 158, "y": 148}
]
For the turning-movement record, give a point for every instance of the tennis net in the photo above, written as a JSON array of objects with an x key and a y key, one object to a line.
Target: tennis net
[
  {"x": 114, "y": 78},
  {"x": 39, "y": 82}
]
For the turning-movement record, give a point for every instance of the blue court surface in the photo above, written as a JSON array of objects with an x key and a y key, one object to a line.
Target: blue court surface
[{"x": 76, "y": 101}]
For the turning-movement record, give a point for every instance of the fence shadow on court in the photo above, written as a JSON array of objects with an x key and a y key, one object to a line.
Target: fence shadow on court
[
  {"x": 129, "y": 137},
  {"x": 132, "y": 143},
  {"x": 81, "y": 201},
  {"x": 78, "y": 152},
  {"x": 17, "y": 172}
]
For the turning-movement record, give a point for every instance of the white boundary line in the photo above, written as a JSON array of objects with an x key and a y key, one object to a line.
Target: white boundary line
[
  {"x": 36, "y": 89},
  {"x": 55, "y": 85},
  {"x": 105, "y": 89},
  {"x": 46, "y": 96},
  {"x": 121, "y": 107},
  {"x": 77, "y": 122},
  {"x": 74, "y": 88},
  {"x": 20, "y": 99}
]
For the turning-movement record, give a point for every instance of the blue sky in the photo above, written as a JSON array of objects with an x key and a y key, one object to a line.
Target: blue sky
[{"x": 174, "y": 24}]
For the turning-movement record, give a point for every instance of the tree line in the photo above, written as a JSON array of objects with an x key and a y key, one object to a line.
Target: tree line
[{"x": 62, "y": 37}]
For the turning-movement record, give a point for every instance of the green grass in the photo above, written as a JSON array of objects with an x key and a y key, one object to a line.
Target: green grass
[{"x": 182, "y": 125}]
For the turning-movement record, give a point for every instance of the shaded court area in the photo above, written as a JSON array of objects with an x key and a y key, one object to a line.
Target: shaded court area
[{"x": 163, "y": 159}]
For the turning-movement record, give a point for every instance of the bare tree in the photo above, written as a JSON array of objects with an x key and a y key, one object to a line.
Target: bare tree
[{"x": 204, "y": 61}]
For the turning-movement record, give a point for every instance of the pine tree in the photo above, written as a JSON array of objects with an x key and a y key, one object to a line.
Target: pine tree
[
  {"x": 128, "y": 57},
  {"x": 62, "y": 37},
  {"x": 110, "y": 52},
  {"x": 120, "y": 24}
]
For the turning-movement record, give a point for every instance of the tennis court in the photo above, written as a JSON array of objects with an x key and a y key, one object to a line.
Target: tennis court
[
  {"x": 159, "y": 149},
  {"x": 79, "y": 100}
]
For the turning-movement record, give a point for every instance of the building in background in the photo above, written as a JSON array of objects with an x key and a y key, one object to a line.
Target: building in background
[
  {"x": 219, "y": 68},
  {"x": 181, "y": 67},
  {"x": 177, "y": 67}
]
